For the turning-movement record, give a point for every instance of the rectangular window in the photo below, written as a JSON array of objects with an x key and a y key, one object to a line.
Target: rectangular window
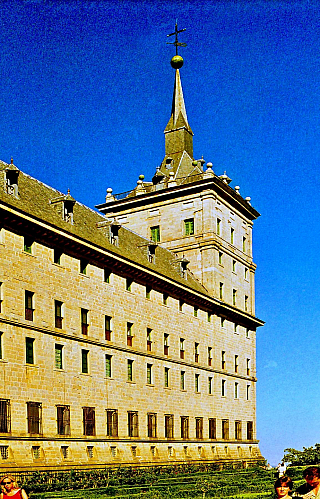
[
  {"x": 112, "y": 422},
  {"x": 129, "y": 334},
  {"x": 130, "y": 369},
  {"x": 133, "y": 424},
  {"x": 84, "y": 321},
  {"x": 148, "y": 292},
  {"x": 29, "y": 351},
  {"x": 236, "y": 363},
  {"x": 5, "y": 416},
  {"x": 165, "y": 298},
  {"x": 29, "y": 309},
  {"x": 249, "y": 430},
  {"x": 225, "y": 429},
  {"x": 234, "y": 297},
  {"x": 27, "y": 244},
  {"x": 218, "y": 226},
  {"x": 181, "y": 348},
  {"x": 223, "y": 360},
  {"x": 245, "y": 273},
  {"x": 233, "y": 265},
  {"x": 189, "y": 227},
  {"x": 65, "y": 451},
  {"x": 1, "y": 346},
  {"x": 149, "y": 339},
  {"x": 220, "y": 257},
  {"x": 247, "y": 333},
  {"x": 83, "y": 266},
  {"x": 223, "y": 388},
  {"x": 90, "y": 451},
  {"x": 248, "y": 367},
  {"x": 63, "y": 420},
  {"x": 108, "y": 366},
  {"x": 181, "y": 303},
  {"x": 58, "y": 314},
  {"x": 236, "y": 390},
  {"x": 152, "y": 425},
  {"x": 168, "y": 426},
  {"x": 129, "y": 284},
  {"x": 210, "y": 386},
  {"x": 149, "y": 374},
  {"x": 107, "y": 327},
  {"x": 246, "y": 299},
  {"x": 36, "y": 452},
  {"x": 155, "y": 234},
  {"x": 166, "y": 344},
  {"x": 209, "y": 356},
  {"x": 199, "y": 428},
  {"x": 89, "y": 421},
  {"x": 58, "y": 361},
  {"x": 212, "y": 428},
  {"x": 4, "y": 451},
  {"x": 1, "y": 300},
  {"x": 107, "y": 274},
  {"x": 182, "y": 380},
  {"x": 236, "y": 329},
  {"x": 196, "y": 382},
  {"x": 34, "y": 417},
  {"x": 196, "y": 352},
  {"x": 208, "y": 317},
  {"x": 244, "y": 244},
  {"x": 237, "y": 430},
  {"x": 232, "y": 236},
  {"x": 195, "y": 311},
  {"x": 221, "y": 290},
  {"x": 84, "y": 361},
  {"x": 248, "y": 392},
  {"x": 184, "y": 427},
  {"x": 222, "y": 321},
  {"x": 57, "y": 254},
  {"x": 166, "y": 377}
]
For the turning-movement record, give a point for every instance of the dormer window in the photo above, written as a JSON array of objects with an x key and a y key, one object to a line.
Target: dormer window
[
  {"x": 12, "y": 174},
  {"x": 68, "y": 211},
  {"x": 114, "y": 234},
  {"x": 152, "y": 252},
  {"x": 184, "y": 267}
]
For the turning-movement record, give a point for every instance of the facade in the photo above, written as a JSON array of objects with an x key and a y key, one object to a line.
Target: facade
[{"x": 128, "y": 336}]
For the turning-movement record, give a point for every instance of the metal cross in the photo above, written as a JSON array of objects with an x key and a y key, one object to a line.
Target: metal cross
[{"x": 176, "y": 43}]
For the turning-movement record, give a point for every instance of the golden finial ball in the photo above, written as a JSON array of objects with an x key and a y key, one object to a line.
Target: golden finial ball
[{"x": 176, "y": 62}]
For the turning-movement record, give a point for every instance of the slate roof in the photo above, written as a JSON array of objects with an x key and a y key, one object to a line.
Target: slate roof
[{"x": 45, "y": 204}]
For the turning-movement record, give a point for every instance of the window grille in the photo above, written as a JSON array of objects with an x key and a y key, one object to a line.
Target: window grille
[
  {"x": 5, "y": 416},
  {"x": 133, "y": 424},
  {"x": 63, "y": 420},
  {"x": 4, "y": 451},
  {"x": 152, "y": 425},
  {"x": 89, "y": 425},
  {"x": 189, "y": 227},
  {"x": 113, "y": 451},
  {"x": 184, "y": 427},
  {"x": 130, "y": 369},
  {"x": 112, "y": 423},
  {"x": 34, "y": 417},
  {"x": 65, "y": 451},
  {"x": 36, "y": 451},
  {"x": 58, "y": 356},
  {"x": 108, "y": 366},
  {"x": 90, "y": 451},
  {"x": 155, "y": 234},
  {"x": 168, "y": 421},
  {"x": 199, "y": 428}
]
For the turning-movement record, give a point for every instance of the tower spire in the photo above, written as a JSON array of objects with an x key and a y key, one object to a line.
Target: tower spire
[{"x": 178, "y": 133}]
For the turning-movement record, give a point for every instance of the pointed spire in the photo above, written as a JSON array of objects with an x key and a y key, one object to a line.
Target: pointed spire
[{"x": 178, "y": 105}]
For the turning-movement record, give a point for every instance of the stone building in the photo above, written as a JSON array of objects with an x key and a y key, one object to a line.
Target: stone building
[{"x": 128, "y": 336}]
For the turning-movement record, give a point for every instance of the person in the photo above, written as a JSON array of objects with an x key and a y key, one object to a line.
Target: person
[
  {"x": 281, "y": 469},
  {"x": 311, "y": 489},
  {"x": 283, "y": 486},
  {"x": 10, "y": 488}
]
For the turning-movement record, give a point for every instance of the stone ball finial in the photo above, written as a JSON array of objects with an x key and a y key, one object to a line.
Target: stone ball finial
[
  {"x": 209, "y": 165},
  {"x": 109, "y": 190},
  {"x": 237, "y": 189},
  {"x": 248, "y": 199},
  {"x": 141, "y": 177},
  {"x": 171, "y": 174},
  {"x": 194, "y": 163},
  {"x": 176, "y": 62}
]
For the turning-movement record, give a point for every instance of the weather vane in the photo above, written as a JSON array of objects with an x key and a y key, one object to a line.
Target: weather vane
[{"x": 177, "y": 60}]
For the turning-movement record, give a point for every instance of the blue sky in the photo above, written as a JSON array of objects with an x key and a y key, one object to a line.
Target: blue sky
[{"x": 85, "y": 95}]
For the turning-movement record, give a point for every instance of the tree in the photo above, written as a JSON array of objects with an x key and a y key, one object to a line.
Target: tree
[{"x": 309, "y": 455}]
